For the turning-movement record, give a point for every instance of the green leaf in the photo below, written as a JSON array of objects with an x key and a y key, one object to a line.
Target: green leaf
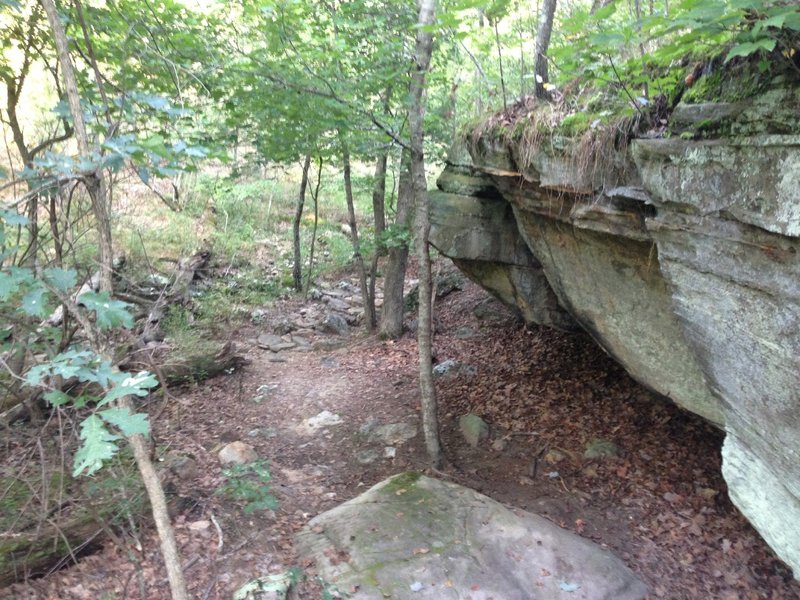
[
  {"x": 748, "y": 48},
  {"x": 57, "y": 398},
  {"x": 61, "y": 279},
  {"x": 110, "y": 313},
  {"x": 33, "y": 303},
  {"x": 10, "y": 281},
  {"x": 129, "y": 424},
  {"x": 13, "y": 218},
  {"x": 99, "y": 445},
  {"x": 136, "y": 385}
]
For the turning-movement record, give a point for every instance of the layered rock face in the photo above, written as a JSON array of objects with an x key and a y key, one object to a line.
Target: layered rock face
[{"x": 683, "y": 263}]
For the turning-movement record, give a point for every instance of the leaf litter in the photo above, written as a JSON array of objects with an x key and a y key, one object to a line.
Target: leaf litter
[{"x": 661, "y": 505}]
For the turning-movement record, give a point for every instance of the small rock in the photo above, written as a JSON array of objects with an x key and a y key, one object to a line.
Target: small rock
[
  {"x": 554, "y": 456},
  {"x": 389, "y": 452},
  {"x": 335, "y": 324},
  {"x": 282, "y": 346},
  {"x": 590, "y": 471},
  {"x": 324, "y": 419},
  {"x": 184, "y": 467},
  {"x": 266, "y": 340},
  {"x": 300, "y": 341},
  {"x": 367, "y": 457},
  {"x": 329, "y": 361},
  {"x": 283, "y": 327},
  {"x": 465, "y": 333},
  {"x": 499, "y": 444},
  {"x": 237, "y": 453},
  {"x": 198, "y": 525},
  {"x": 258, "y": 315},
  {"x": 473, "y": 428},
  {"x": 445, "y": 367},
  {"x": 394, "y": 433},
  {"x": 368, "y": 426},
  {"x": 600, "y": 448}
]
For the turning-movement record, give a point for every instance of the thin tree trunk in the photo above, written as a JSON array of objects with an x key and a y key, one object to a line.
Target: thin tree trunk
[
  {"x": 424, "y": 48},
  {"x": 500, "y": 60},
  {"x": 315, "y": 197},
  {"x": 369, "y": 303},
  {"x": 542, "y": 46},
  {"x": 297, "y": 267},
  {"x": 94, "y": 181},
  {"x": 379, "y": 212},
  {"x": 96, "y": 187},
  {"x": 395, "y": 274}
]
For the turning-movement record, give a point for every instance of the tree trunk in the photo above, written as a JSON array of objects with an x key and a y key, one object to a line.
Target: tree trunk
[
  {"x": 297, "y": 267},
  {"x": 369, "y": 303},
  {"x": 542, "y": 46},
  {"x": 379, "y": 212},
  {"x": 424, "y": 48},
  {"x": 96, "y": 187},
  {"x": 315, "y": 197},
  {"x": 395, "y": 273},
  {"x": 94, "y": 181}
]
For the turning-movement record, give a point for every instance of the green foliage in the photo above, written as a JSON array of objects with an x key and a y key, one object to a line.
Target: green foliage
[
  {"x": 645, "y": 56},
  {"x": 23, "y": 291},
  {"x": 395, "y": 236},
  {"x": 249, "y": 483},
  {"x": 99, "y": 443}
]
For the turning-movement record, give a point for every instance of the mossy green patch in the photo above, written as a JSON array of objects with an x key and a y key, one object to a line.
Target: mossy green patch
[{"x": 402, "y": 482}]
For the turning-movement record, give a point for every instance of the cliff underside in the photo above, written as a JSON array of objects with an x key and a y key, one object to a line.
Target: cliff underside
[{"x": 676, "y": 248}]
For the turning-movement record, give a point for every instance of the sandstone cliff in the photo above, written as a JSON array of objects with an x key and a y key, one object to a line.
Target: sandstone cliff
[{"x": 682, "y": 259}]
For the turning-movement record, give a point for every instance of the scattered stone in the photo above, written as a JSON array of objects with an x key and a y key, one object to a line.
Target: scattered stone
[
  {"x": 554, "y": 455},
  {"x": 282, "y": 346},
  {"x": 182, "y": 466},
  {"x": 490, "y": 310},
  {"x": 258, "y": 315},
  {"x": 465, "y": 333},
  {"x": 368, "y": 426},
  {"x": 499, "y": 444},
  {"x": 267, "y": 432},
  {"x": 264, "y": 391},
  {"x": 367, "y": 456},
  {"x": 473, "y": 428},
  {"x": 198, "y": 525},
  {"x": 600, "y": 448},
  {"x": 329, "y": 361},
  {"x": 283, "y": 327},
  {"x": 268, "y": 587},
  {"x": 337, "y": 304},
  {"x": 336, "y": 324},
  {"x": 300, "y": 341},
  {"x": 394, "y": 434},
  {"x": 389, "y": 452},
  {"x": 266, "y": 340},
  {"x": 237, "y": 453},
  {"x": 324, "y": 419},
  {"x": 445, "y": 367},
  {"x": 455, "y": 542}
]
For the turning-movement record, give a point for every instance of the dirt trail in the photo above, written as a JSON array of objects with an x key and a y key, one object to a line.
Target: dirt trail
[{"x": 660, "y": 505}]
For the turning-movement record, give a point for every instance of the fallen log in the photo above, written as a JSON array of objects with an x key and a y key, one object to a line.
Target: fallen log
[
  {"x": 186, "y": 364},
  {"x": 178, "y": 293}
]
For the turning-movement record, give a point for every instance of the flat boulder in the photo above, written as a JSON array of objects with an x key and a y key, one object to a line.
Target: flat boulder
[{"x": 411, "y": 536}]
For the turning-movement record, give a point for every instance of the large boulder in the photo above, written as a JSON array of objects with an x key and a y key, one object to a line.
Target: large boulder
[
  {"x": 683, "y": 262},
  {"x": 411, "y": 536}
]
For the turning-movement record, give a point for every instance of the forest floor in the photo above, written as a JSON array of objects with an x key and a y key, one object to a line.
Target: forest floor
[{"x": 661, "y": 505}]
